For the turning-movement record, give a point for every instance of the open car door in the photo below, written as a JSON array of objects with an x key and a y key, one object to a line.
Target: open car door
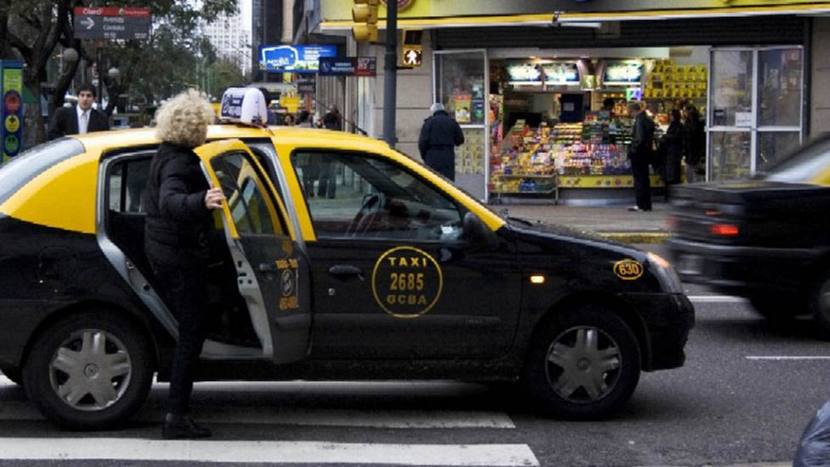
[{"x": 272, "y": 272}]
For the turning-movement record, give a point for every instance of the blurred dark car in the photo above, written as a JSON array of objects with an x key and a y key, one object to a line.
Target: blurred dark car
[{"x": 766, "y": 239}]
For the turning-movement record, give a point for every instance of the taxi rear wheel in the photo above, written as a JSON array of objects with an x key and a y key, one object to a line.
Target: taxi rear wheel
[
  {"x": 89, "y": 371},
  {"x": 583, "y": 364}
]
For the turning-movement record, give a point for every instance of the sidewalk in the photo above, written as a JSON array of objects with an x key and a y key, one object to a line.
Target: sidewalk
[{"x": 613, "y": 222}]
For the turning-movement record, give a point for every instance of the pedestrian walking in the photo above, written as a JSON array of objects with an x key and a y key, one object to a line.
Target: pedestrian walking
[
  {"x": 671, "y": 147},
  {"x": 440, "y": 134},
  {"x": 327, "y": 186},
  {"x": 694, "y": 143},
  {"x": 641, "y": 153},
  {"x": 179, "y": 201},
  {"x": 79, "y": 119}
]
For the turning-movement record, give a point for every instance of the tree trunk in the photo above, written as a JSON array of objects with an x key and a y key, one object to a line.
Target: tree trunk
[{"x": 32, "y": 120}]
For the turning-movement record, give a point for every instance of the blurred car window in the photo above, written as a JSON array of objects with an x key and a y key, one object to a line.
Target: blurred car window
[{"x": 804, "y": 166}]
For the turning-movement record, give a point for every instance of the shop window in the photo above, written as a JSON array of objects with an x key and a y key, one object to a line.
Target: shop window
[
  {"x": 779, "y": 87},
  {"x": 358, "y": 196}
]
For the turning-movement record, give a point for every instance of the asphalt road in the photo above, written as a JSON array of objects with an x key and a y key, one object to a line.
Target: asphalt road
[{"x": 735, "y": 402}]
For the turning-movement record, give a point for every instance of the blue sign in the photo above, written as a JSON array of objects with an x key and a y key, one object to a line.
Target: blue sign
[
  {"x": 294, "y": 58},
  {"x": 337, "y": 66}
]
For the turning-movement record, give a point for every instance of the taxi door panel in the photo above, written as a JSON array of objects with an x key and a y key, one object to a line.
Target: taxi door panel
[
  {"x": 392, "y": 277},
  {"x": 272, "y": 273}
]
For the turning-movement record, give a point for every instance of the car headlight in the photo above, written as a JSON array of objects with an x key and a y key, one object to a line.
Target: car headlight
[{"x": 665, "y": 273}]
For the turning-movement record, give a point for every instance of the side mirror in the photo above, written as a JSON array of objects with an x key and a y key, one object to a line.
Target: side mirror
[{"x": 477, "y": 233}]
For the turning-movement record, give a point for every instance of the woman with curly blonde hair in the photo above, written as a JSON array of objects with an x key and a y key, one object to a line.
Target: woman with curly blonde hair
[{"x": 179, "y": 202}]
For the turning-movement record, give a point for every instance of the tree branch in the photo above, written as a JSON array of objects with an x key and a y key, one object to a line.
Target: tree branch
[{"x": 21, "y": 46}]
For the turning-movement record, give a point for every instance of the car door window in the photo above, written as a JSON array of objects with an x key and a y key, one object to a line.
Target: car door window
[
  {"x": 127, "y": 181},
  {"x": 252, "y": 209},
  {"x": 353, "y": 195}
]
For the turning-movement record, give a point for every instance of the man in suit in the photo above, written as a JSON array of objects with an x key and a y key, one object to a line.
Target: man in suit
[
  {"x": 80, "y": 118},
  {"x": 640, "y": 152}
]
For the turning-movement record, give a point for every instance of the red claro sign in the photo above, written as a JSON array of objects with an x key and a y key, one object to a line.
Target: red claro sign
[{"x": 402, "y": 4}]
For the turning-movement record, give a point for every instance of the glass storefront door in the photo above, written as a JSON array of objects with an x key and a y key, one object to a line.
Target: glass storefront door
[
  {"x": 755, "y": 109},
  {"x": 462, "y": 85}
]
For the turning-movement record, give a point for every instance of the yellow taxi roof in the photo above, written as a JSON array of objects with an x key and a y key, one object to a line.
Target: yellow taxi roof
[{"x": 98, "y": 142}]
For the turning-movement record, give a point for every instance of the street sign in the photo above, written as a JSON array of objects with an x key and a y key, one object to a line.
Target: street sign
[
  {"x": 11, "y": 108},
  {"x": 112, "y": 22},
  {"x": 348, "y": 66}
]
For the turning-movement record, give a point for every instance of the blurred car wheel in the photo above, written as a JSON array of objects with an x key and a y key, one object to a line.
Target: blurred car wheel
[
  {"x": 13, "y": 375},
  {"x": 821, "y": 305}
]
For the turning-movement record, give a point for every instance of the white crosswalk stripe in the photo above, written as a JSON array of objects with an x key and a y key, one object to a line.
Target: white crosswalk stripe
[
  {"x": 267, "y": 451},
  {"x": 132, "y": 449}
]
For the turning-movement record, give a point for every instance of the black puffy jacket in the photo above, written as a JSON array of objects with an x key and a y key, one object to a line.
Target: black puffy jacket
[{"x": 178, "y": 223}]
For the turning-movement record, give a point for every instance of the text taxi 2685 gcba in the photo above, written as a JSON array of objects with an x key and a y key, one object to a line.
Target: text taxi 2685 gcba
[{"x": 335, "y": 257}]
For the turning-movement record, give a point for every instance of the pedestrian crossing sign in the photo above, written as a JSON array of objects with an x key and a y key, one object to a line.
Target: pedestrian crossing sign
[{"x": 411, "y": 56}]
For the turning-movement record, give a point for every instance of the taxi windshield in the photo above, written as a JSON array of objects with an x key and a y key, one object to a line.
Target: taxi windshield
[{"x": 804, "y": 166}]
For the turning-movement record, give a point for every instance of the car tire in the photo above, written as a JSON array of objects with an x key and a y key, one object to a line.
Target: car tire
[
  {"x": 89, "y": 371},
  {"x": 583, "y": 364},
  {"x": 13, "y": 375},
  {"x": 820, "y": 305}
]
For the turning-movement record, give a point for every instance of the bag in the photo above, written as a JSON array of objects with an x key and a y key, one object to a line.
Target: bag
[{"x": 814, "y": 446}]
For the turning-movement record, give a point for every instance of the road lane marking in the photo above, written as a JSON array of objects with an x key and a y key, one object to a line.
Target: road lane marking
[
  {"x": 130, "y": 449},
  {"x": 716, "y": 299},
  {"x": 263, "y": 415},
  {"x": 788, "y": 357}
]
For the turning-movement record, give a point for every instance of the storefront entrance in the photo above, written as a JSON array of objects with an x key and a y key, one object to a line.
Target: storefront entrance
[
  {"x": 755, "y": 109},
  {"x": 461, "y": 83}
]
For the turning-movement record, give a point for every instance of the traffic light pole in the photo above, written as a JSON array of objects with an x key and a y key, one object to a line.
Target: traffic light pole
[{"x": 390, "y": 76}]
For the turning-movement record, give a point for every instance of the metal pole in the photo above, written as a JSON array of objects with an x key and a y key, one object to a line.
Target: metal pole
[
  {"x": 390, "y": 73},
  {"x": 99, "y": 66}
]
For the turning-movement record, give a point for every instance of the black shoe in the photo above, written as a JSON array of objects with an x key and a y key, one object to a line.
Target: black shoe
[{"x": 182, "y": 427}]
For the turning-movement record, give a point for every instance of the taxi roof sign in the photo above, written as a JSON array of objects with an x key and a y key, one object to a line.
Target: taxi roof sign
[{"x": 244, "y": 105}]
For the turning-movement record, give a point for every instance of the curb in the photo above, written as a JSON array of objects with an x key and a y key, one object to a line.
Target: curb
[{"x": 636, "y": 237}]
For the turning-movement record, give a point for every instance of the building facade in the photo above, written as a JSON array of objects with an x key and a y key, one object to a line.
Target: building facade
[
  {"x": 231, "y": 38},
  {"x": 527, "y": 80}
]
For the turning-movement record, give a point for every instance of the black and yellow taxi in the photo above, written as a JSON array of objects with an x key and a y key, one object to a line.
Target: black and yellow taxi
[
  {"x": 335, "y": 257},
  {"x": 764, "y": 238}
]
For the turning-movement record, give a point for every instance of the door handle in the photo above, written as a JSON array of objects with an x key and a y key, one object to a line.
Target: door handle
[{"x": 345, "y": 270}]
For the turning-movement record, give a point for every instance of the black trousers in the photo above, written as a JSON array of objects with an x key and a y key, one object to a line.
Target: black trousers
[
  {"x": 183, "y": 290},
  {"x": 642, "y": 183}
]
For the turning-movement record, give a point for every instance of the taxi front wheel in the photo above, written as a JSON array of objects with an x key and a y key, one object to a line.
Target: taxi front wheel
[
  {"x": 583, "y": 364},
  {"x": 89, "y": 371}
]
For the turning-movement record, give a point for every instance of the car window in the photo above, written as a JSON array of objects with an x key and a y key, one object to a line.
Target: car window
[
  {"x": 804, "y": 166},
  {"x": 126, "y": 184},
  {"x": 363, "y": 196},
  {"x": 252, "y": 208},
  {"x": 24, "y": 167}
]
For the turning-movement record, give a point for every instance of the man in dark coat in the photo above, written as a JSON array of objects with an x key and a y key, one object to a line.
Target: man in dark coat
[
  {"x": 694, "y": 142},
  {"x": 80, "y": 118},
  {"x": 439, "y": 136},
  {"x": 178, "y": 202},
  {"x": 640, "y": 152}
]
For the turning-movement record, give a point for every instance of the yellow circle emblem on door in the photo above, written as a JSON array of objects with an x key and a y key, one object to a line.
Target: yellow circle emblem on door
[{"x": 407, "y": 282}]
